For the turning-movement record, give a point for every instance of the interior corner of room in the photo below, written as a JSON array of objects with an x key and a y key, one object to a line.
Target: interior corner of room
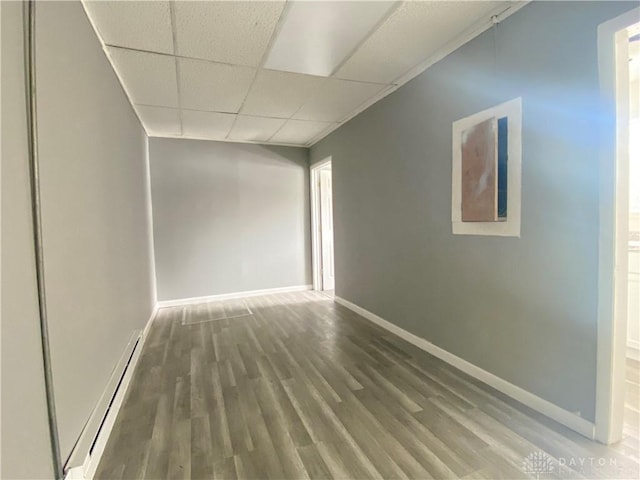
[{"x": 244, "y": 216}]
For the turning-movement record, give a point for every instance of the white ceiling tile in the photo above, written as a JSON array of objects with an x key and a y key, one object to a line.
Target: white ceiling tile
[
  {"x": 229, "y": 39},
  {"x": 213, "y": 86},
  {"x": 209, "y": 125},
  {"x": 149, "y": 78},
  {"x": 279, "y": 94},
  {"x": 230, "y": 32},
  {"x": 159, "y": 121},
  {"x": 413, "y": 33},
  {"x": 255, "y": 129},
  {"x": 336, "y": 99},
  {"x": 139, "y": 25},
  {"x": 299, "y": 132},
  {"x": 315, "y": 37}
]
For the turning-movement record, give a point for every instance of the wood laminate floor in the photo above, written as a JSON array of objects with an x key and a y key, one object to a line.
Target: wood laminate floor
[
  {"x": 631, "y": 428},
  {"x": 301, "y": 387}
]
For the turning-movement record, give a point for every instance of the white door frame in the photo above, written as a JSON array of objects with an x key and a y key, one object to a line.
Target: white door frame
[
  {"x": 316, "y": 233},
  {"x": 614, "y": 227}
]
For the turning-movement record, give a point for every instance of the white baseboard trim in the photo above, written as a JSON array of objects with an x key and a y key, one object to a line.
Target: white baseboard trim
[
  {"x": 229, "y": 296},
  {"x": 633, "y": 350},
  {"x": 87, "y": 470},
  {"x": 560, "y": 415}
]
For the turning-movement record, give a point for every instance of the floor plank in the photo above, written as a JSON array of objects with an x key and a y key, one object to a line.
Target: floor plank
[{"x": 296, "y": 386}]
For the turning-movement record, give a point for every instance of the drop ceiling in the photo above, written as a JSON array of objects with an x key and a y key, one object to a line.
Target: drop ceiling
[{"x": 273, "y": 72}]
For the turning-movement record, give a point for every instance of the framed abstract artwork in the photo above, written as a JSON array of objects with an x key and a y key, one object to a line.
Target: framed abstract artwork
[{"x": 486, "y": 172}]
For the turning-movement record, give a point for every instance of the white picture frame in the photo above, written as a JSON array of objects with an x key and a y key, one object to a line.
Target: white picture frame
[{"x": 511, "y": 226}]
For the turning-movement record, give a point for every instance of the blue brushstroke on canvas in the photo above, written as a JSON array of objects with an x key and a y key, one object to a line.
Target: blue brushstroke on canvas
[{"x": 503, "y": 143}]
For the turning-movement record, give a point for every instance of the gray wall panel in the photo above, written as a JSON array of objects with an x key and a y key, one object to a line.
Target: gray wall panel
[
  {"x": 524, "y": 309},
  {"x": 228, "y": 217},
  {"x": 96, "y": 229}
]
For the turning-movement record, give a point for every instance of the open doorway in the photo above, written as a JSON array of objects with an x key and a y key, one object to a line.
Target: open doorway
[
  {"x": 617, "y": 412},
  {"x": 322, "y": 225},
  {"x": 631, "y": 423}
]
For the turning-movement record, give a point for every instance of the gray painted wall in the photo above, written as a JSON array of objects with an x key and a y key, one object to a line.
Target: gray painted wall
[
  {"x": 26, "y": 451},
  {"x": 524, "y": 309},
  {"x": 96, "y": 227},
  {"x": 228, "y": 217}
]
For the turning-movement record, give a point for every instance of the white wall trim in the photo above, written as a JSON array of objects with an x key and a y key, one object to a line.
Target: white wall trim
[
  {"x": 152, "y": 249},
  {"x": 229, "y": 296},
  {"x": 614, "y": 228},
  {"x": 511, "y": 227},
  {"x": 560, "y": 415},
  {"x": 316, "y": 233},
  {"x": 87, "y": 470},
  {"x": 75, "y": 473},
  {"x": 633, "y": 350}
]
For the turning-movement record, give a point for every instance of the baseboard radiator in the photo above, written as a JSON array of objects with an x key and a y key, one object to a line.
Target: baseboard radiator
[{"x": 83, "y": 451}]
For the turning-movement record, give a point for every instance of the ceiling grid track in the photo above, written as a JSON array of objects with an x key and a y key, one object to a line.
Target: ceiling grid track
[
  {"x": 298, "y": 109},
  {"x": 279, "y": 73},
  {"x": 115, "y": 70},
  {"x": 172, "y": 13},
  {"x": 386, "y": 17},
  {"x": 496, "y": 15},
  {"x": 263, "y": 59}
]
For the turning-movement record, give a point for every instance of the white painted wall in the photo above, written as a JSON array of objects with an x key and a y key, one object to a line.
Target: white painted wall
[
  {"x": 26, "y": 451},
  {"x": 633, "y": 312},
  {"x": 95, "y": 212},
  {"x": 633, "y": 324},
  {"x": 228, "y": 217}
]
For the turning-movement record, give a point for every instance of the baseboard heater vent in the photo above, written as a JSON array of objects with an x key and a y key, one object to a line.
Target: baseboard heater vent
[
  {"x": 82, "y": 453},
  {"x": 113, "y": 397}
]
